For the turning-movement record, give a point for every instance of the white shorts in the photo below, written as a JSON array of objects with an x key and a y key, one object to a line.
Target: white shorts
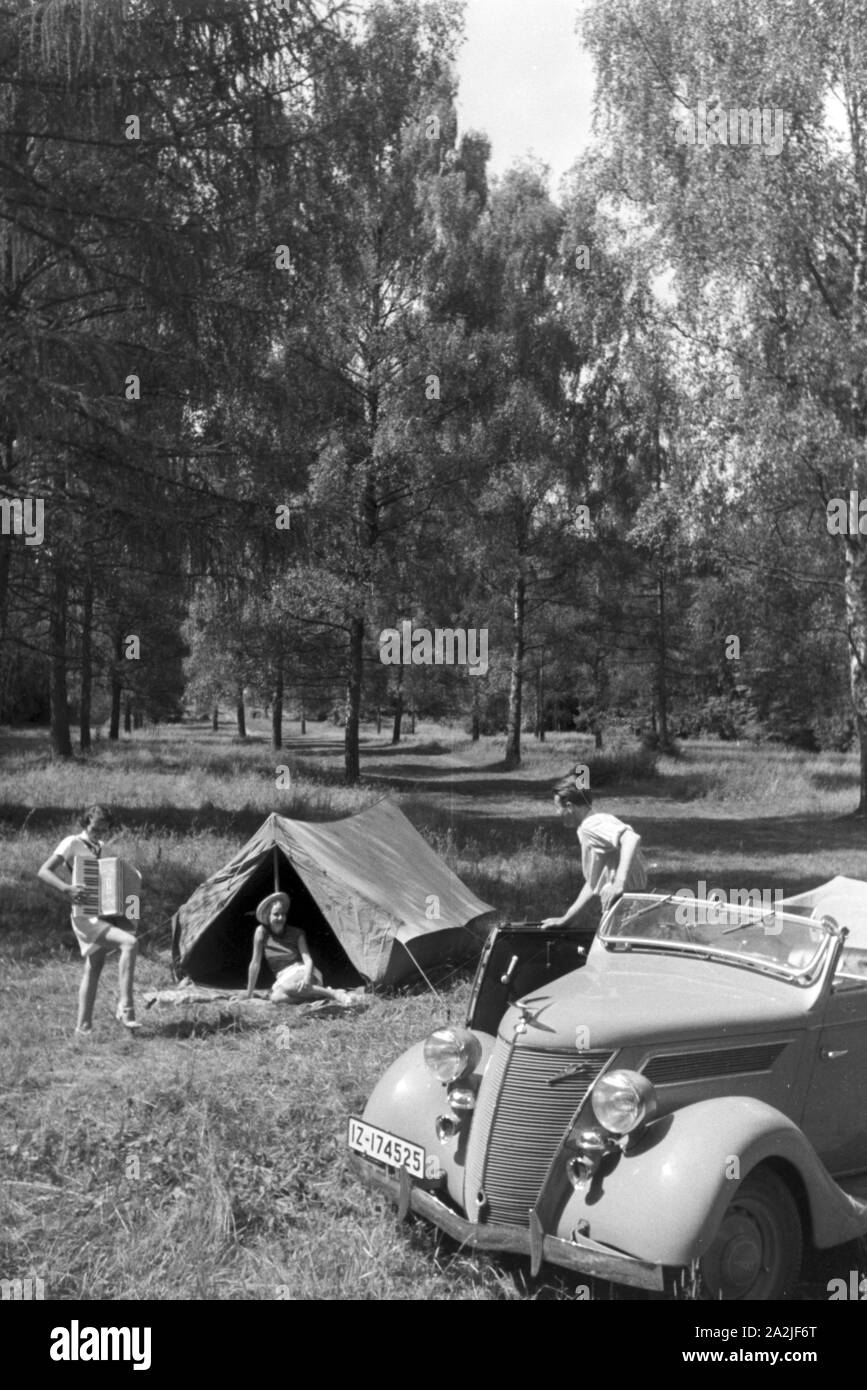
[{"x": 289, "y": 981}]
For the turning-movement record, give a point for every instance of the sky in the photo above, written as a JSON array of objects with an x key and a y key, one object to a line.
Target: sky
[{"x": 525, "y": 81}]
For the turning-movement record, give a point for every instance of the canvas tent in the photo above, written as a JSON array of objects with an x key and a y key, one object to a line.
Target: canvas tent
[{"x": 373, "y": 898}]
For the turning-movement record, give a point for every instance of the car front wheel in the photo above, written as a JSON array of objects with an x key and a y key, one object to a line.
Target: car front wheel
[{"x": 757, "y": 1250}]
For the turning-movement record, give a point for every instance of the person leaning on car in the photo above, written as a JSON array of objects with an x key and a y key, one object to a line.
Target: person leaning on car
[{"x": 611, "y": 858}]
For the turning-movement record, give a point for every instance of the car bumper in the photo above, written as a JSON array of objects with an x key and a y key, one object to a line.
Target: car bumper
[{"x": 581, "y": 1254}]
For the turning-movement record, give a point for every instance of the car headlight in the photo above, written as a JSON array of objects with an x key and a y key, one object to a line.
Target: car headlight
[
  {"x": 451, "y": 1052},
  {"x": 623, "y": 1100}
]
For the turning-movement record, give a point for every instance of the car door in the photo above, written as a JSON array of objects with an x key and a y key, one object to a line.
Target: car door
[{"x": 835, "y": 1116}]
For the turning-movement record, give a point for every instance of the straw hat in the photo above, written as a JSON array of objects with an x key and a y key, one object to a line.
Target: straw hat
[{"x": 263, "y": 911}]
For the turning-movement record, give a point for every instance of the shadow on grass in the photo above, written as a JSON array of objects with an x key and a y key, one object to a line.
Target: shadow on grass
[
  {"x": 432, "y": 748},
  {"x": 688, "y": 834},
  {"x": 754, "y": 834},
  {"x": 494, "y": 779},
  {"x": 177, "y": 820},
  {"x": 30, "y": 742},
  {"x": 462, "y": 783},
  {"x": 676, "y": 786},
  {"x": 836, "y": 781},
  {"x": 695, "y": 836},
  {"x": 223, "y": 1022}
]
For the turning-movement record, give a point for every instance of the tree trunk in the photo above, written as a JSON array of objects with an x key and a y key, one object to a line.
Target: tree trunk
[
  {"x": 412, "y": 719},
  {"x": 600, "y": 684},
  {"x": 379, "y": 719},
  {"x": 303, "y": 718},
  {"x": 60, "y": 737},
  {"x": 241, "y": 713},
  {"x": 540, "y": 711},
  {"x": 5, "y": 570},
  {"x": 116, "y": 697},
  {"x": 277, "y": 710},
  {"x": 84, "y": 737},
  {"x": 127, "y": 715},
  {"x": 861, "y": 725},
  {"x": 516, "y": 678},
  {"x": 662, "y": 666},
  {"x": 369, "y": 538},
  {"x": 215, "y": 717},
  {"x": 355, "y": 676},
  {"x": 856, "y": 632},
  {"x": 137, "y": 719},
  {"x": 5, "y": 567},
  {"x": 660, "y": 693},
  {"x": 474, "y": 729},
  {"x": 398, "y": 706},
  {"x": 855, "y": 553}
]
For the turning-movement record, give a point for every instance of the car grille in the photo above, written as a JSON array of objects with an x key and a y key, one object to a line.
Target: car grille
[{"x": 519, "y": 1123}]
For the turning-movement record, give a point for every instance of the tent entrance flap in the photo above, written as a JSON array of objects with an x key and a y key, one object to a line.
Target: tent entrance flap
[{"x": 221, "y": 956}]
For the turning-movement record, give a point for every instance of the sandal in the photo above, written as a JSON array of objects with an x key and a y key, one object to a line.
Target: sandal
[
  {"x": 351, "y": 1000},
  {"x": 126, "y": 1016}
]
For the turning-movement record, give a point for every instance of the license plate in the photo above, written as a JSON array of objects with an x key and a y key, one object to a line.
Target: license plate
[{"x": 386, "y": 1148}]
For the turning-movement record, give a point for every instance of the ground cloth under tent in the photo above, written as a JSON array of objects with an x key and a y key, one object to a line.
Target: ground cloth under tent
[
  {"x": 376, "y": 902},
  {"x": 188, "y": 1000}
]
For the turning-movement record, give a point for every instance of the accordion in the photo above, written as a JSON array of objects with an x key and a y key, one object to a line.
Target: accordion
[{"x": 108, "y": 885}]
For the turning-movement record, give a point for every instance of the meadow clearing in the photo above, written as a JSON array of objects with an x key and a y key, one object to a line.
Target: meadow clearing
[{"x": 205, "y": 1158}]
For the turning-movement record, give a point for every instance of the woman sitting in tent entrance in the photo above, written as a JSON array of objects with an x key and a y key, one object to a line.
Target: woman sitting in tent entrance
[{"x": 286, "y": 951}]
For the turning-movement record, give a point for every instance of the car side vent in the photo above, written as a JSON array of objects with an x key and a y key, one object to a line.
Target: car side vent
[{"x": 667, "y": 1070}]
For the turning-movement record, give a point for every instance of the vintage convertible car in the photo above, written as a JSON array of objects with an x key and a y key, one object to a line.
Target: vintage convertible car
[{"x": 677, "y": 1104}]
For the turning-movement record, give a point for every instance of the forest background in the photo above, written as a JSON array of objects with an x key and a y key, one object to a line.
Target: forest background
[{"x": 287, "y": 368}]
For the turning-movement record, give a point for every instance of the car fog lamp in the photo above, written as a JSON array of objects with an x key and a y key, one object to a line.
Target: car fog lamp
[
  {"x": 446, "y": 1127},
  {"x": 580, "y": 1172},
  {"x": 623, "y": 1100},
  {"x": 593, "y": 1146},
  {"x": 451, "y": 1052},
  {"x": 462, "y": 1098}
]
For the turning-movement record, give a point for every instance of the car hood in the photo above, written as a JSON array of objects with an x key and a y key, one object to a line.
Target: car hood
[{"x": 619, "y": 998}]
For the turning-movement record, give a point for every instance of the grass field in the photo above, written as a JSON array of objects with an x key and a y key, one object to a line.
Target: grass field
[{"x": 205, "y": 1157}]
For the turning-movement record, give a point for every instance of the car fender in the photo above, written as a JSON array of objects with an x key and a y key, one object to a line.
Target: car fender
[
  {"x": 663, "y": 1199},
  {"x": 408, "y": 1100}
]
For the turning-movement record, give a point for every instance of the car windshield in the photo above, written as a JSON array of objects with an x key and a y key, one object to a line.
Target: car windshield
[{"x": 781, "y": 943}]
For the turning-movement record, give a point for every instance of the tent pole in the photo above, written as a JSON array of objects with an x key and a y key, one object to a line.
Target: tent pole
[{"x": 276, "y": 872}]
